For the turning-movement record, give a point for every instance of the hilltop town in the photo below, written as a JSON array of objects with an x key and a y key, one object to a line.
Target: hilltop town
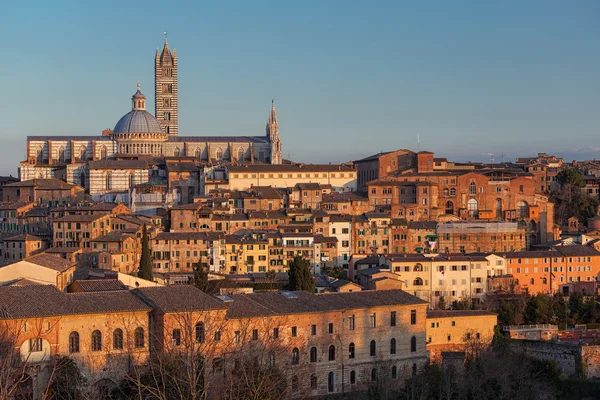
[{"x": 166, "y": 266}]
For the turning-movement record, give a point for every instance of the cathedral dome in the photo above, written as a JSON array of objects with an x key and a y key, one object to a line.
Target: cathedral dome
[{"x": 138, "y": 120}]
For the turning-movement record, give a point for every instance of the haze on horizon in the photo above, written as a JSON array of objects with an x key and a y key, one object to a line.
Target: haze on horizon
[{"x": 349, "y": 78}]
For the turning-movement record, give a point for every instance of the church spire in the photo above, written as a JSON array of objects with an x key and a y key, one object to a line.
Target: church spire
[{"x": 273, "y": 135}]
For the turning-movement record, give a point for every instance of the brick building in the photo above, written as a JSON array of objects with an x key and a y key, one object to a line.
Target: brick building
[{"x": 41, "y": 191}]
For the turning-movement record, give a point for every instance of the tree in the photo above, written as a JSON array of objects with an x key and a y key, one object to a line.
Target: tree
[
  {"x": 145, "y": 270},
  {"x": 300, "y": 277},
  {"x": 334, "y": 271},
  {"x": 271, "y": 277},
  {"x": 67, "y": 382},
  {"x": 570, "y": 198},
  {"x": 201, "y": 277}
]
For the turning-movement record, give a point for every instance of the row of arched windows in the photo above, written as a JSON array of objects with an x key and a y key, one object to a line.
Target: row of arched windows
[
  {"x": 313, "y": 354},
  {"x": 138, "y": 340}
]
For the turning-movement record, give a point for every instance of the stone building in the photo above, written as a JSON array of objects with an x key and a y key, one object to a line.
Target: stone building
[{"x": 138, "y": 135}]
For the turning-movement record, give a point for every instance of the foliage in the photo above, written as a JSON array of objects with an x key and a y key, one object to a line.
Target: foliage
[
  {"x": 570, "y": 198},
  {"x": 462, "y": 304},
  {"x": 300, "y": 277},
  {"x": 68, "y": 382},
  {"x": 201, "y": 277},
  {"x": 334, "y": 271},
  {"x": 145, "y": 270}
]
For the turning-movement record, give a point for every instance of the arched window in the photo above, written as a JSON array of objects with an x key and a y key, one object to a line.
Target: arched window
[
  {"x": 523, "y": 209},
  {"x": 544, "y": 281},
  {"x": 39, "y": 155},
  {"x": 82, "y": 179},
  {"x": 452, "y": 192},
  {"x": 96, "y": 341},
  {"x": 103, "y": 153},
  {"x": 449, "y": 208},
  {"x": 108, "y": 181},
  {"x": 394, "y": 372},
  {"x": 498, "y": 208},
  {"x": 219, "y": 154},
  {"x": 313, "y": 354},
  {"x": 414, "y": 369},
  {"x": 313, "y": 381},
  {"x": 200, "y": 334},
  {"x": 393, "y": 346},
  {"x": 531, "y": 281},
  {"x": 351, "y": 350},
  {"x": 198, "y": 154},
  {"x": 131, "y": 180},
  {"x": 241, "y": 155},
  {"x": 294, "y": 384},
  {"x": 418, "y": 282},
  {"x": 139, "y": 339},
  {"x": 177, "y": 151},
  {"x": 413, "y": 344},
  {"x": 332, "y": 353},
  {"x": 445, "y": 192},
  {"x": 295, "y": 355},
  {"x": 352, "y": 377},
  {"x": 74, "y": 342},
  {"x": 418, "y": 267},
  {"x": 374, "y": 375},
  {"x": 61, "y": 154},
  {"x": 472, "y": 188},
  {"x": 373, "y": 348},
  {"x": 473, "y": 208},
  {"x": 330, "y": 382},
  {"x": 82, "y": 153},
  {"x": 117, "y": 339}
]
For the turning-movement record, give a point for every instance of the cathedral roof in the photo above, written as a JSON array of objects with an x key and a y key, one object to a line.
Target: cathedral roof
[{"x": 138, "y": 121}]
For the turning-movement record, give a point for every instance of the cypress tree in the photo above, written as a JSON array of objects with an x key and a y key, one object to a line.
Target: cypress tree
[
  {"x": 300, "y": 277},
  {"x": 145, "y": 270}
]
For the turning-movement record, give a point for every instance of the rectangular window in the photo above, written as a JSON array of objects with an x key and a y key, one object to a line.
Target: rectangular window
[
  {"x": 275, "y": 333},
  {"x": 331, "y": 328},
  {"x": 393, "y": 318},
  {"x": 413, "y": 317},
  {"x": 373, "y": 320},
  {"x": 237, "y": 336},
  {"x": 294, "y": 331},
  {"x": 176, "y": 337},
  {"x": 313, "y": 330},
  {"x": 254, "y": 334},
  {"x": 351, "y": 322},
  {"x": 35, "y": 345}
]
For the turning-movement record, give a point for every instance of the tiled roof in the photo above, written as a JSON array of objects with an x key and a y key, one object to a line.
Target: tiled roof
[
  {"x": 180, "y": 298},
  {"x": 79, "y": 218},
  {"x": 335, "y": 197},
  {"x": 114, "y": 236},
  {"x": 77, "y": 138},
  {"x": 182, "y": 236},
  {"x": 577, "y": 250},
  {"x": 50, "y": 261},
  {"x": 100, "y": 285},
  {"x": 51, "y": 183},
  {"x": 22, "y": 237},
  {"x": 430, "y": 225},
  {"x": 46, "y": 300},
  {"x": 186, "y": 166},
  {"x": 271, "y": 303},
  {"x": 283, "y": 168},
  {"x": 457, "y": 313}
]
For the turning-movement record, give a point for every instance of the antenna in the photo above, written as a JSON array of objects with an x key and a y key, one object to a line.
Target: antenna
[
  {"x": 502, "y": 155},
  {"x": 491, "y": 157},
  {"x": 418, "y": 143}
]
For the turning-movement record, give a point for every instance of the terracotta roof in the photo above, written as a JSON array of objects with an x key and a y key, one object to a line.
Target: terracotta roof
[
  {"x": 22, "y": 237},
  {"x": 180, "y": 298},
  {"x": 79, "y": 218},
  {"x": 457, "y": 313},
  {"x": 114, "y": 236},
  {"x": 290, "y": 303},
  {"x": 100, "y": 285},
  {"x": 283, "y": 168},
  {"x": 182, "y": 236},
  {"x": 48, "y": 184},
  {"x": 50, "y": 261},
  {"x": 46, "y": 300}
]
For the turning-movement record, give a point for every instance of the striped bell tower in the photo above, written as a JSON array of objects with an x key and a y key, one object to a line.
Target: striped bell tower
[{"x": 166, "y": 89}]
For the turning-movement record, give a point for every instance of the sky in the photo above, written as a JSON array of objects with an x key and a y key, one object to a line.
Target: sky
[{"x": 349, "y": 78}]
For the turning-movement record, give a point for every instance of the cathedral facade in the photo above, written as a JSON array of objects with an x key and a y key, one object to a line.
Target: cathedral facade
[{"x": 139, "y": 135}]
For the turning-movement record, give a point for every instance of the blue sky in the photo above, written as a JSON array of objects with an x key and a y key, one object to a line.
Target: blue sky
[{"x": 349, "y": 78}]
